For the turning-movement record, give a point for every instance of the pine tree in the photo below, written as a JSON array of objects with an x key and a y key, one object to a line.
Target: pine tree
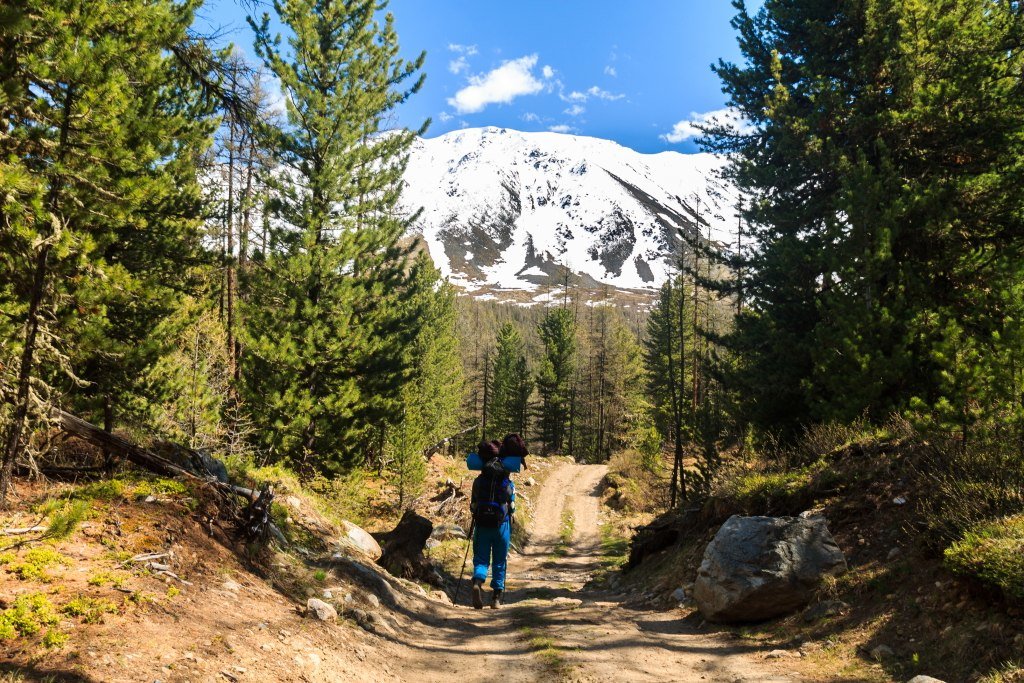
[
  {"x": 511, "y": 385},
  {"x": 557, "y": 332},
  {"x": 324, "y": 327},
  {"x": 432, "y": 398},
  {"x": 102, "y": 131}
]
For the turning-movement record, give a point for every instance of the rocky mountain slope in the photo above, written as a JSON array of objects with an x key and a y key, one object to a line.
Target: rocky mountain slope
[{"x": 511, "y": 210}]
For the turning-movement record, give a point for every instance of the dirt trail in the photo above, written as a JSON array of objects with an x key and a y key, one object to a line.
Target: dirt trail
[{"x": 554, "y": 628}]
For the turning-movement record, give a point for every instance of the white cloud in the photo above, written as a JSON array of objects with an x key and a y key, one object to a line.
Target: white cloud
[
  {"x": 689, "y": 128},
  {"x": 463, "y": 123},
  {"x": 499, "y": 86},
  {"x": 468, "y": 50},
  {"x": 445, "y": 117},
  {"x": 610, "y": 71},
  {"x": 592, "y": 91},
  {"x": 595, "y": 91},
  {"x": 561, "y": 128},
  {"x": 457, "y": 66},
  {"x": 547, "y": 71},
  {"x": 530, "y": 117},
  {"x": 575, "y": 110}
]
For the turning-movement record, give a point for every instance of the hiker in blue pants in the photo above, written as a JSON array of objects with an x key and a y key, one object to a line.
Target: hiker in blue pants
[{"x": 492, "y": 504}]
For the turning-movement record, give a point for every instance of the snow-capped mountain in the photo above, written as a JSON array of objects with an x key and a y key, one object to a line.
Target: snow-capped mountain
[{"x": 507, "y": 209}]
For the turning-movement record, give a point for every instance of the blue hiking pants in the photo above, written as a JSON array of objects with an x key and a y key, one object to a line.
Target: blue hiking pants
[{"x": 490, "y": 546}]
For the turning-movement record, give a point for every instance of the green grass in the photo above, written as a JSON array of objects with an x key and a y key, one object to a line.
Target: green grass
[
  {"x": 993, "y": 553},
  {"x": 565, "y": 533},
  {"x": 547, "y": 650},
  {"x": 614, "y": 547}
]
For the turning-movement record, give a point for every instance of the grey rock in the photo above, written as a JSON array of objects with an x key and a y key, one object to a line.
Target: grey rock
[
  {"x": 880, "y": 652},
  {"x": 826, "y": 608},
  {"x": 321, "y": 610},
  {"x": 327, "y": 595},
  {"x": 893, "y": 554},
  {"x": 925, "y": 679},
  {"x": 778, "y": 654},
  {"x": 232, "y": 586},
  {"x": 444, "y": 532},
  {"x": 679, "y": 595},
  {"x": 757, "y": 568},
  {"x": 360, "y": 540},
  {"x": 373, "y": 600}
]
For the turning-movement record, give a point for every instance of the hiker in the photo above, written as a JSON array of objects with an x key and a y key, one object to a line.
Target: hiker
[{"x": 492, "y": 505}]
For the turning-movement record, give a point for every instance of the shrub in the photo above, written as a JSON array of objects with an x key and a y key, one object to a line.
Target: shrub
[
  {"x": 992, "y": 552},
  {"x": 34, "y": 563},
  {"x": 90, "y": 609},
  {"x": 27, "y": 616}
]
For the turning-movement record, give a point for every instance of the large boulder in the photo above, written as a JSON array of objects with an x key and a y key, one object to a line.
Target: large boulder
[
  {"x": 757, "y": 568},
  {"x": 359, "y": 539}
]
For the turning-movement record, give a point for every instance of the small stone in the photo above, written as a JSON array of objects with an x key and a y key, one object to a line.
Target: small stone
[
  {"x": 373, "y": 600},
  {"x": 925, "y": 679},
  {"x": 777, "y": 654},
  {"x": 150, "y": 499},
  {"x": 327, "y": 595},
  {"x": 232, "y": 586},
  {"x": 893, "y": 554},
  {"x": 899, "y": 500},
  {"x": 321, "y": 610},
  {"x": 679, "y": 595},
  {"x": 293, "y": 502},
  {"x": 880, "y": 652},
  {"x": 826, "y": 608},
  {"x": 530, "y": 482}
]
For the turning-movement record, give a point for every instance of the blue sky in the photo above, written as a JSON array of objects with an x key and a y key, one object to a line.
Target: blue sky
[{"x": 635, "y": 72}]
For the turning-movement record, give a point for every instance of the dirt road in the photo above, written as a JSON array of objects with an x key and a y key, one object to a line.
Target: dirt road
[{"x": 554, "y": 629}]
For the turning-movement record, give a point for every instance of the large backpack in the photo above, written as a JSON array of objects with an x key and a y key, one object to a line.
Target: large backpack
[{"x": 492, "y": 496}]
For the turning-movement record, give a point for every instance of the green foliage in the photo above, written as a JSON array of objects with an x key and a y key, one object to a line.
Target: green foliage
[
  {"x": 54, "y": 639},
  {"x": 431, "y": 398},
  {"x": 113, "y": 579},
  {"x": 881, "y": 205},
  {"x": 91, "y": 610},
  {"x": 27, "y": 616},
  {"x": 992, "y": 552},
  {"x": 511, "y": 385},
  {"x": 101, "y": 204},
  {"x": 63, "y": 522},
  {"x": 33, "y": 563},
  {"x": 325, "y": 324},
  {"x": 557, "y": 331}
]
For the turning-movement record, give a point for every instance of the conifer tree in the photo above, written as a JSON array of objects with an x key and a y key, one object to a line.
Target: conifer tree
[
  {"x": 432, "y": 398},
  {"x": 325, "y": 333},
  {"x": 557, "y": 331},
  {"x": 511, "y": 384},
  {"x": 101, "y": 133}
]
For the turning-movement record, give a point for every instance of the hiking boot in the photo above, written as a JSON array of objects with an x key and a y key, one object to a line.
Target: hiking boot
[
  {"x": 496, "y": 598},
  {"x": 478, "y": 594}
]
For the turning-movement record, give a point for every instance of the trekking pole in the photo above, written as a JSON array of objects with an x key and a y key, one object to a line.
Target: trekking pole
[{"x": 469, "y": 544}]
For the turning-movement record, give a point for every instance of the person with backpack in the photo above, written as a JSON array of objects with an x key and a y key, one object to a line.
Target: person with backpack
[{"x": 492, "y": 504}]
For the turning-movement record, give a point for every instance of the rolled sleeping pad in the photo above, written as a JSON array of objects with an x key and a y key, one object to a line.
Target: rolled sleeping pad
[{"x": 512, "y": 463}]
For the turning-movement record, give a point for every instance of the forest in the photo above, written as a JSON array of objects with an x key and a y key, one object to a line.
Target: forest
[{"x": 186, "y": 257}]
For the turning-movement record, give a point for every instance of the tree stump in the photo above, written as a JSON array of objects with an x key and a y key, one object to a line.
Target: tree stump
[{"x": 403, "y": 547}]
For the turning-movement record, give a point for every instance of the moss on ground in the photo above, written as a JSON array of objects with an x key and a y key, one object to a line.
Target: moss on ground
[{"x": 994, "y": 554}]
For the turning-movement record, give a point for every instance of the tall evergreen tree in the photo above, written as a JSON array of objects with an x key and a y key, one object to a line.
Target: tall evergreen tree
[
  {"x": 326, "y": 336},
  {"x": 557, "y": 331},
  {"x": 432, "y": 398},
  {"x": 511, "y": 384},
  {"x": 101, "y": 131}
]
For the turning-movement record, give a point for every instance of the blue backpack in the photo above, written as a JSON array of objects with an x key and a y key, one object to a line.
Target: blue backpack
[{"x": 492, "y": 492}]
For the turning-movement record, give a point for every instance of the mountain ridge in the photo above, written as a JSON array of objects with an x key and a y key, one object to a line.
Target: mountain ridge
[{"x": 512, "y": 210}]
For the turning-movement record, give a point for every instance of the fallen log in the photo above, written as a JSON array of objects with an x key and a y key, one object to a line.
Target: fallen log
[{"x": 147, "y": 459}]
